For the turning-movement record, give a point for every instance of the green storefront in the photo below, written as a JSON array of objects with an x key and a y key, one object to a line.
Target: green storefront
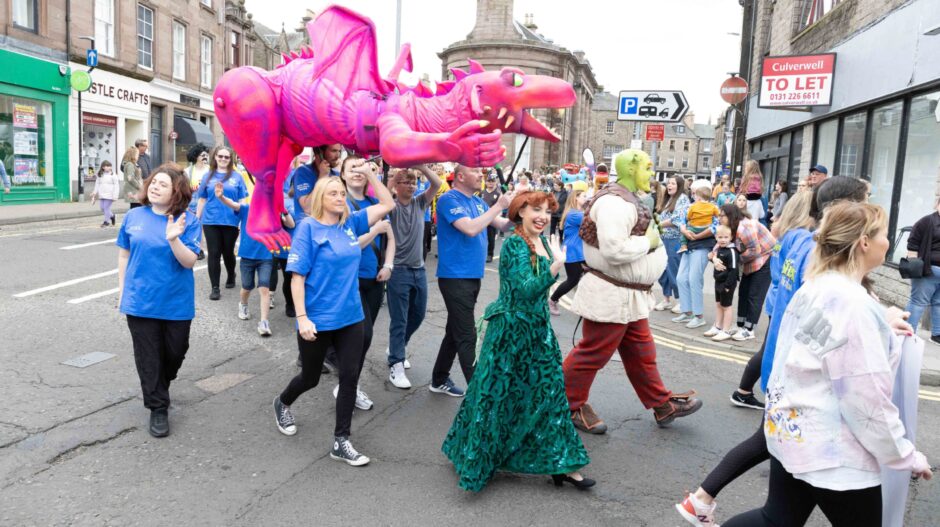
[{"x": 34, "y": 130}]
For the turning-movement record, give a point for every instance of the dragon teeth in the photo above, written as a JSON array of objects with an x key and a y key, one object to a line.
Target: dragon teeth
[
  {"x": 502, "y": 113},
  {"x": 509, "y": 121}
]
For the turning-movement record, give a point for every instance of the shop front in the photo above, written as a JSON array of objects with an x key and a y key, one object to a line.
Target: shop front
[
  {"x": 33, "y": 130},
  {"x": 182, "y": 118}
]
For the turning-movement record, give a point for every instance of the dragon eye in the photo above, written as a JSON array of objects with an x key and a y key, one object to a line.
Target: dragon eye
[{"x": 516, "y": 80}]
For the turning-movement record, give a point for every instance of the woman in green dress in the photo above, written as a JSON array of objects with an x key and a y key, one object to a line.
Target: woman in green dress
[{"x": 515, "y": 415}]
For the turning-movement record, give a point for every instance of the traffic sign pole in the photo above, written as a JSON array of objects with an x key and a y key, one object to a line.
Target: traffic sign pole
[{"x": 91, "y": 60}]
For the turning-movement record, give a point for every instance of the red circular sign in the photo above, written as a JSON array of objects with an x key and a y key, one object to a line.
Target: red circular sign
[
  {"x": 173, "y": 135},
  {"x": 734, "y": 90}
]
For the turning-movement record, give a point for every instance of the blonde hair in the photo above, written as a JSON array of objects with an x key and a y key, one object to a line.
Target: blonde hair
[
  {"x": 795, "y": 215},
  {"x": 570, "y": 204},
  {"x": 840, "y": 234},
  {"x": 317, "y": 210},
  {"x": 132, "y": 155},
  {"x": 704, "y": 193},
  {"x": 724, "y": 228}
]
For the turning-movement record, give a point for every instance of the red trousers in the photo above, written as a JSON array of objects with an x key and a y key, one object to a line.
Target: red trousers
[{"x": 637, "y": 351}]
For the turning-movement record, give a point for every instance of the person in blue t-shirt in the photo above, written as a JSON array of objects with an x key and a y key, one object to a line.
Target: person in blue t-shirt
[
  {"x": 324, "y": 164},
  {"x": 461, "y": 246},
  {"x": 156, "y": 290},
  {"x": 220, "y": 223},
  {"x": 280, "y": 261},
  {"x": 574, "y": 259},
  {"x": 325, "y": 259},
  {"x": 423, "y": 185}
]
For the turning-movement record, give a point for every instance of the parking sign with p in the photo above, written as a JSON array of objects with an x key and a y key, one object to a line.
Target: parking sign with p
[{"x": 628, "y": 105}]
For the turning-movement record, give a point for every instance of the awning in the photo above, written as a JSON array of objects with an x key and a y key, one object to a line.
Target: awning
[{"x": 191, "y": 131}]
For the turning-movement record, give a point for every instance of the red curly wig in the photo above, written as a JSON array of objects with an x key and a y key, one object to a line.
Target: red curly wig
[{"x": 526, "y": 199}]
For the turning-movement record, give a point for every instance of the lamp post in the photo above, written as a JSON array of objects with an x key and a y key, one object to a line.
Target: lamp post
[{"x": 81, "y": 133}]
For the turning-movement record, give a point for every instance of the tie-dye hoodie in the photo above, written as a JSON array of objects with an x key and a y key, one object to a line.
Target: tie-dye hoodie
[{"x": 829, "y": 417}]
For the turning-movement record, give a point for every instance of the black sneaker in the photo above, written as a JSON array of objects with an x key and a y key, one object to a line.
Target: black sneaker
[
  {"x": 201, "y": 255},
  {"x": 489, "y": 259},
  {"x": 230, "y": 282},
  {"x": 447, "y": 388},
  {"x": 289, "y": 311},
  {"x": 935, "y": 339},
  {"x": 159, "y": 423},
  {"x": 215, "y": 294},
  {"x": 746, "y": 400},
  {"x": 283, "y": 418},
  {"x": 344, "y": 451}
]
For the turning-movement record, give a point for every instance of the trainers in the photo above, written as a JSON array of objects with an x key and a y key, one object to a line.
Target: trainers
[
  {"x": 935, "y": 339},
  {"x": 271, "y": 303},
  {"x": 721, "y": 336},
  {"x": 746, "y": 400},
  {"x": 407, "y": 364},
  {"x": 553, "y": 308},
  {"x": 362, "y": 399},
  {"x": 344, "y": 451},
  {"x": 662, "y": 306},
  {"x": 283, "y": 418},
  {"x": 289, "y": 311},
  {"x": 264, "y": 329},
  {"x": 396, "y": 376},
  {"x": 713, "y": 331},
  {"x": 677, "y": 309},
  {"x": 243, "y": 311},
  {"x": 215, "y": 294},
  {"x": 447, "y": 388},
  {"x": 697, "y": 513},
  {"x": 742, "y": 335},
  {"x": 159, "y": 423},
  {"x": 230, "y": 282},
  {"x": 695, "y": 322},
  {"x": 682, "y": 318}
]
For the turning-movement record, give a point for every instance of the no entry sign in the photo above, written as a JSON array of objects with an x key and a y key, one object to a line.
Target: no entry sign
[
  {"x": 803, "y": 80},
  {"x": 655, "y": 132},
  {"x": 734, "y": 90}
]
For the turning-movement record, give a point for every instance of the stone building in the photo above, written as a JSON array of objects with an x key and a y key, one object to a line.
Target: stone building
[
  {"x": 883, "y": 123},
  {"x": 705, "y": 154},
  {"x": 272, "y": 44},
  {"x": 497, "y": 41}
]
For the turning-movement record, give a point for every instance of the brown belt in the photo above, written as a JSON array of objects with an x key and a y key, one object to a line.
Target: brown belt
[{"x": 627, "y": 285}]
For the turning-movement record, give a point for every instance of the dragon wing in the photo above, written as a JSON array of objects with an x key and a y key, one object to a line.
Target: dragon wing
[{"x": 344, "y": 45}]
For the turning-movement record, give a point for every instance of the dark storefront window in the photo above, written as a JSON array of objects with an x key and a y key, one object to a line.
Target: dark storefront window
[
  {"x": 796, "y": 157},
  {"x": 156, "y": 135}
]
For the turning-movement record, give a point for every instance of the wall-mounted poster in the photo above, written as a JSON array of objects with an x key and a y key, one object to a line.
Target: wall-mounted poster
[
  {"x": 26, "y": 171},
  {"x": 26, "y": 143},
  {"x": 24, "y": 116}
]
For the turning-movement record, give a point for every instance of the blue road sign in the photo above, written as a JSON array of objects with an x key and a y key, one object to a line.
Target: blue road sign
[
  {"x": 91, "y": 58},
  {"x": 628, "y": 105}
]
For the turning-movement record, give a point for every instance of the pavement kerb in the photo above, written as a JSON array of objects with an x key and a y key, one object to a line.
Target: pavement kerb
[{"x": 54, "y": 216}]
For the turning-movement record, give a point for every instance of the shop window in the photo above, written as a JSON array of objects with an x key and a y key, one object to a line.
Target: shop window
[
  {"x": 24, "y": 14},
  {"x": 610, "y": 127},
  {"x": 26, "y": 141},
  {"x": 104, "y": 27},
  {"x": 144, "y": 37},
  {"x": 853, "y": 144},
  {"x": 921, "y": 163},
  {"x": 814, "y": 10},
  {"x": 205, "y": 60},
  {"x": 99, "y": 142},
  {"x": 883, "y": 152},
  {"x": 179, "y": 51},
  {"x": 826, "y": 143}
]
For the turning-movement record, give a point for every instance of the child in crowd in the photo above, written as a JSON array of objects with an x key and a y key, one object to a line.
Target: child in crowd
[
  {"x": 702, "y": 214},
  {"x": 725, "y": 283}
]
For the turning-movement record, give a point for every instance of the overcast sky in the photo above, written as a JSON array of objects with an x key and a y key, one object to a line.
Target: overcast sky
[{"x": 631, "y": 44}]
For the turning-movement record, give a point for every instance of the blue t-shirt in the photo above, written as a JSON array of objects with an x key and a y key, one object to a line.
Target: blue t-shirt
[
  {"x": 574, "y": 247},
  {"x": 155, "y": 284},
  {"x": 248, "y": 247},
  {"x": 289, "y": 207},
  {"x": 304, "y": 178},
  {"x": 423, "y": 186},
  {"x": 328, "y": 257},
  {"x": 369, "y": 263},
  {"x": 215, "y": 212},
  {"x": 795, "y": 250},
  {"x": 775, "y": 265},
  {"x": 459, "y": 255}
]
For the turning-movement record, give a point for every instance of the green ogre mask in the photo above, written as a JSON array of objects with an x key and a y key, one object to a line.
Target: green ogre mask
[{"x": 634, "y": 170}]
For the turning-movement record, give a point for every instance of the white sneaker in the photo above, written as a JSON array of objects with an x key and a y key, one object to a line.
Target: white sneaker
[
  {"x": 396, "y": 376},
  {"x": 264, "y": 329},
  {"x": 362, "y": 399},
  {"x": 743, "y": 335},
  {"x": 662, "y": 306},
  {"x": 676, "y": 308},
  {"x": 713, "y": 331},
  {"x": 682, "y": 318},
  {"x": 271, "y": 302},
  {"x": 721, "y": 336},
  {"x": 407, "y": 364},
  {"x": 695, "y": 322},
  {"x": 243, "y": 311}
]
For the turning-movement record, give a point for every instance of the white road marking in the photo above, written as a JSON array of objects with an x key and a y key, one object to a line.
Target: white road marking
[
  {"x": 66, "y": 283},
  {"x": 89, "y": 244}
]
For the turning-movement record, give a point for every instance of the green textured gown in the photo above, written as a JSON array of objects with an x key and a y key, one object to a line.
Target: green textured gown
[{"x": 515, "y": 415}]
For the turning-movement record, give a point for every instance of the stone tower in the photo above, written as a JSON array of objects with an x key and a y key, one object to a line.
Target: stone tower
[{"x": 494, "y": 21}]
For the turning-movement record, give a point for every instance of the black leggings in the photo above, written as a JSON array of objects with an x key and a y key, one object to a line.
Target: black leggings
[
  {"x": 747, "y": 455},
  {"x": 751, "y": 295},
  {"x": 348, "y": 344},
  {"x": 752, "y": 371},
  {"x": 220, "y": 240},
  {"x": 281, "y": 263},
  {"x": 791, "y": 501},
  {"x": 573, "y": 272},
  {"x": 428, "y": 236},
  {"x": 371, "y": 293}
]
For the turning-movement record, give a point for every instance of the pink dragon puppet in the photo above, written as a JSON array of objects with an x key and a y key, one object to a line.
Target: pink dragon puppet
[{"x": 332, "y": 93}]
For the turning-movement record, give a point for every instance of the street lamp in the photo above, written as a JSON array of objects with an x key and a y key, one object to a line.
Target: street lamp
[{"x": 81, "y": 134}]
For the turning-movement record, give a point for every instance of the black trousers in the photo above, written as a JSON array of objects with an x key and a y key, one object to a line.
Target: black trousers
[
  {"x": 751, "y": 295},
  {"x": 371, "y": 293},
  {"x": 791, "y": 501},
  {"x": 348, "y": 344},
  {"x": 490, "y": 241},
  {"x": 573, "y": 272},
  {"x": 743, "y": 457},
  {"x": 428, "y": 236},
  {"x": 220, "y": 240},
  {"x": 460, "y": 334},
  {"x": 554, "y": 224},
  {"x": 281, "y": 264},
  {"x": 159, "y": 349},
  {"x": 752, "y": 371}
]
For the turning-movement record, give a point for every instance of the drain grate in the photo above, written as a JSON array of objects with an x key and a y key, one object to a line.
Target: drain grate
[{"x": 89, "y": 359}]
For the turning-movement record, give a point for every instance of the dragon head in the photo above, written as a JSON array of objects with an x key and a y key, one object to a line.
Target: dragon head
[
  {"x": 504, "y": 97},
  {"x": 634, "y": 170}
]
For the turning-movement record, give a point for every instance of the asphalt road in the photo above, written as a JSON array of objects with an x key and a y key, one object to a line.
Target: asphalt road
[{"x": 74, "y": 448}]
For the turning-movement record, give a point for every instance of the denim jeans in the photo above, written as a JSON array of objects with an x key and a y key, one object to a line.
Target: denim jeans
[
  {"x": 925, "y": 292},
  {"x": 668, "y": 280},
  {"x": 691, "y": 280},
  {"x": 407, "y": 291}
]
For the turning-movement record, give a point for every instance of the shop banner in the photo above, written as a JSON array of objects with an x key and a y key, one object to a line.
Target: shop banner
[
  {"x": 26, "y": 171},
  {"x": 26, "y": 143},
  {"x": 24, "y": 116},
  {"x": 799, "y": 80},
  {"x": 101, "y": 120}
]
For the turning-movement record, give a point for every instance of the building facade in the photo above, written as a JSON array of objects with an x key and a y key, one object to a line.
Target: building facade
[
  {"x": 883, "y": 123},
  {"x": 497, "y": 41}
]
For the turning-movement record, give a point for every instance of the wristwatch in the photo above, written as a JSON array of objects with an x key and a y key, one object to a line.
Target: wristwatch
[{"x": 388, "y": 266}]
